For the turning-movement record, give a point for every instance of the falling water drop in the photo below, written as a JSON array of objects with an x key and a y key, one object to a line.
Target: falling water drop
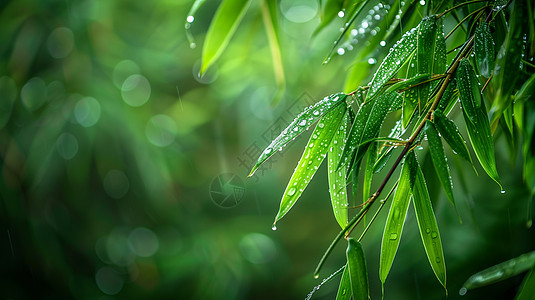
[
  {"x": 274, "y": 227},
  {"x": 502, "y": 191},
  {"x": 462, "y": 291}
]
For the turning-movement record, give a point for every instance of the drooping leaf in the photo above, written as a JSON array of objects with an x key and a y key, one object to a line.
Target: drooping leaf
[
  {"x": 484, "y": 50},
  {"x": 337, "y": 178},
  {"x": 501, "y": 271},
  {"x": 449, "y": 98},
  {"x": 396, "y": 58},
  {"x": 451, "y": 135},
  {"x": 386, "y": 150},
  {"x": 224, "y": 24},
  {"x": 425, "y": 55},
  {"x": 344, "y": 289},
  {"x": 269, "y": 16},
  {"x": 368, "y": 171},
  {"x": 395, "y": 221},
  {"x": 358, "y": 273},
  {"x": 439, "y": 160},
  {"x": 468, "y": 90},
  {"x": 366, "y": 126},
  {"x": 427, "y": 224},
  {"x": 300, "y": 124},
  {"x": 527, "y": 290},
  {"x": 315, "y": 152},
  {"x": 410, "y": 97}
]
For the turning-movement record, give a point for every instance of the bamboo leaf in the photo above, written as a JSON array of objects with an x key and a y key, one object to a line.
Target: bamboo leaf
[
  {"x": 315, "y": 152},
  {"x": 484, "y": 50},
  {"x": 358, "y": 273},
  {"x": 368, "y": 171},
  {"x": 224, "y": 24},
  {"x": 299, "y": 125},
  {"x": 410, "y": 97},
  {"x": 527, "y": 290},
  {"x": 501, "y": 271},
  {"x": 468, "y": 90},
  {"x": 427, "y": 223},
  {"x": 269, "y": 16},
  {"x": 451, "y": 135},
  {"x": 425, "y": 55},
  {"x": 329, "y": 11},
  {"x": 344, "y": 290},
  {"x": 190, "y": 19},
  {"x": 395, "y": 221},
  {"x": 337, "y": 178},
  {"x": 396, "y": 58},
  {"x": 366, "y": 126},
  {"x": 449, "y": 98},
  {"x": 439, "y": 160}
]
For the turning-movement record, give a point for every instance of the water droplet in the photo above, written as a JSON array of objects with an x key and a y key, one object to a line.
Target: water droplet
[
  {"x": 190, "y": 19},
  {"x": 291, "y": 191},
  {"x": 268, "y": 150},
  {"x": 438, "y": 260},
  {"x": 462, "y": 291},
  {"x": 502, "y": 191},
  {"x": 434, "y": 234},
  {"x": 302, "y": 123},
  {"x": 371, "y": 61},
  {"x": 273, "y": 227},
  {"x": 316, "y": 276},
  {"x": 341, "y": 14},
  {"x": 341, "y": 51},
  {"x": 427, "y": 230},
  {"x": 382, "y": 43},
  {"x": 393, "y": 236}
]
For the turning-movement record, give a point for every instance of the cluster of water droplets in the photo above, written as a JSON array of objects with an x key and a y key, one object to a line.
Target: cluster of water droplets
[{"x": 316, "y": 288}]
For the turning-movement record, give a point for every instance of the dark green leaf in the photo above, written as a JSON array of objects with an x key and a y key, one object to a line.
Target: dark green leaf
[
  {"x": 410, "y": 97},
  {"x": 484, "y": 50},
  {"x": 501, "y": 271},
  {"x": 358, "y": 273},
  {"x": 224, "y": 24},
  {"x": 395, "y": 221},
  {"x": 439, "y": 160},
  {"x": 344, "y": 290},
  {"x": 337, "y": 178},
  {"x": 368, "y": 171},
  {"x": 315, "y": 152},
  {"x": 427, "y": 223},
  {"x": 300, "y": 124},
  {"x": 527, "y": 290},
  {"x": 451, "y": 134},
  {"x": 468, "y": 90}
]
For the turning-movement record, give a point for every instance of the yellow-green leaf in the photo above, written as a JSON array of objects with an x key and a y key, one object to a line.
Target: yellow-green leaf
[
  {"x": 224, "y": 24},
  {"x": 358, "y": 273},
  {"x": 337, "y": 178}
]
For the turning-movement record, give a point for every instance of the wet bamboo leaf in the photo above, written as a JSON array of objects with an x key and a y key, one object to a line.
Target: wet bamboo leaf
[
  {"x": 451, "y": 135},
  {"x": 358, "y": 273},
  {"x": 315, "y": 152},
  {"x": 366, "y": 126},
  {"x": 439, "y": 159},
  {"x": 329, "y": 11},
  {"x": 484, "y": 50},
  {"x": 501, "y": 271},
  {"x": 368, "y": 171},
  {"x": 425, "y": 55},
  {"x": 527, "y": 290},
  {"x": 449, "y": 98},
  {"x": 468, "y": 90},
  {"x": 428, "y": 224},
  {"x": 481, "y": 140},
  {"x": 386, "y": 150},
  {"x": 396, "y": 58},
  {"x": 337, "y": 178},
  {"x": 299, "y": 125},
  {"x": 526, "y": 92},
  {"x": 190, "y": 19},
  {"x": 395, "y": 221},
  {"x": 344, "y": 290},
  {"x": 224, "y": 24},
  {"x": 410, "y": 97}
]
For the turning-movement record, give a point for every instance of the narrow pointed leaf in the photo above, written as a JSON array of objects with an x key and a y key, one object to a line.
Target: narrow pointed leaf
[
  {"x": 427, "y": 224},
  {"x": 410, "y": 97},
  {"x": 449, "y": 98},
  {"x": 344, "y": 289},
  {"x": 527, "y": 290},
  {"x": 451, "y": 135},
  {"x": 396, "y": 58},
  {"x": 425, "y": 55},
  {"x": 224, "y": 24},
  {"x": 269, "y": 16},
  {"x": 468, "y": 90},
  {"x": 368, "y": 171},
  {"x": 366, "y": 126},
  {"x": 484, "y": 50},
  {"x": 190, "y": 19},
  {"x": 330, "y": 11},
  {"x": 315, "y": 152},
  {"x": 337, "y": 178},
  {"x": 438, "y": 157},
  {"x": 395, "y": 221},
  {"x": 300, "y": 124},
  {"x": 358, "y": 273},
  {"x": 501, "y": 271}
]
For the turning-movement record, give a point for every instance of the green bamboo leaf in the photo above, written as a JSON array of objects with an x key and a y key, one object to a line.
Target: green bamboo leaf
[
  {"x": 428, "y": 224},
  {"x": 300, "y": 124},
  {"x": 481, "y": 140},
  {"x": 337, "y": 178},
  {"x": 396, "y": 58},
  {"x": 344, "y": 290},
  {"x": 368, "y": 171},
  {"x": 190, "y": 19},
  {"x": 484, "y": 50},
  {"x": 439, "y": 159},
  {"x": 366, "y": 126},
  {"x": 315, "y": 152},
  {"x": 386, "y": 151},
  {"x": 329, "y": 11},
  {"x": 395, "y": 221},
  {"x": 410, "y": 97},
  {"x": 358, "y": 273},
  {"x": 451, "y": 134},
  {"x": 449, "y": 98},
  {"x": 425, "y": 55},
  {"x": 499, "y": 272},
  {"x": 468, "y": 90},
  {"x": 224, "y": 24},
  {"x": 269, "y": 16},
  {"x": 527, "y": 290}
]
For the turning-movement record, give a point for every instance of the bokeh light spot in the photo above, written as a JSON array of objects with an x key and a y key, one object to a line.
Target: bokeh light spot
[
  {"x": 258, "y": 248},
  {"x": 122, "y": 70},
  {"x": 109, "y": 281},
  {"x": 136, "y": 90},
  {"x": 60, "y": 42},
  {"x": 116, "y": 184},
  {"x": 143, "y": 241},
  {"x": 67, "y": 145},
  {"x": 161, "y": 130},
  {"x": 33, "y": 94},
  {"x": 299, "y": 11},
  {"x": 87, "y": 111}
]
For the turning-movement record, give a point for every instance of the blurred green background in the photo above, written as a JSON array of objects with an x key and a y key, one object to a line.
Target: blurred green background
[{"x": 124, "y": 173}]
